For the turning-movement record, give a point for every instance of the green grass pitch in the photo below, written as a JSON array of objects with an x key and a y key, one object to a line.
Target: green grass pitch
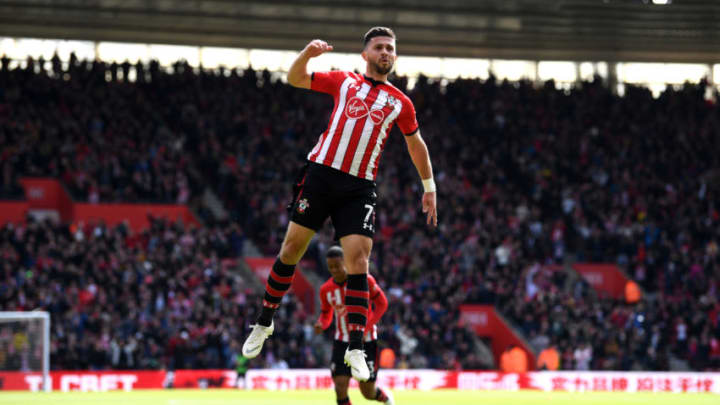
[{"x": 438, "y": 397}]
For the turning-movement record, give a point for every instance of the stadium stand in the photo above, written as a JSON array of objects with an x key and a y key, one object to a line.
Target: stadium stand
[{"x": 528, "y": 176}]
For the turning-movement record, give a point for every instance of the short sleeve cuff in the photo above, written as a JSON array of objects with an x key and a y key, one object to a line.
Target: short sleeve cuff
[{"x": 413, "y": 132}]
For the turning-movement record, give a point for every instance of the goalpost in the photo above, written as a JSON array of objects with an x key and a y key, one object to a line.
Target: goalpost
[{"x": 25, "y": 343}]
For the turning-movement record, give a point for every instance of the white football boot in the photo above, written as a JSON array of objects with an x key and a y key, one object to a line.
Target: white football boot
[
  {"x": 254, "y": 342},
  {"x": 355, "y": 359}
]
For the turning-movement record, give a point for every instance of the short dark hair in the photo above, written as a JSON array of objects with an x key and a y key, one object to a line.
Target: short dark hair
[
  {"x": 334, "y": 251},
  {"x": 377, "y": 32}
]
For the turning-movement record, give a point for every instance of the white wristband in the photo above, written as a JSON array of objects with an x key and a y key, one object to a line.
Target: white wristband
[{"x": 429, "y": 185}]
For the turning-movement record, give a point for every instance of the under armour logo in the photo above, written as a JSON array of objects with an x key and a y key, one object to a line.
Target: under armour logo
[{"x": 368, "y": 226}]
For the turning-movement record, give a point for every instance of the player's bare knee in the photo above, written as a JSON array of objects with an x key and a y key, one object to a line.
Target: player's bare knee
[
  {"x": 362, "y": 263},
  {"x": 359, "y": 264},
  {"x": 291, "y": 251},
  {"x": 287, "y": 256}
]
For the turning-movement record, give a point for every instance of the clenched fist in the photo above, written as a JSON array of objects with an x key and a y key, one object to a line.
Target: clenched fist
[{"x": 317, "y": 47}]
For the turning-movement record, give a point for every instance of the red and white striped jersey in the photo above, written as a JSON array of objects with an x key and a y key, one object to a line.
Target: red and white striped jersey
[
  {"x": 332, "y": 300},
  {"x": 365, "y": 111}
]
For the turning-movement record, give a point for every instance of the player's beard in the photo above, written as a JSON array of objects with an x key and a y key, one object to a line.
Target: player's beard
[{"x": 383, "y": 70}]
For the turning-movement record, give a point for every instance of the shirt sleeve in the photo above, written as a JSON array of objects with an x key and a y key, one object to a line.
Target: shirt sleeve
[
  {"x": 326, "y": 311},
  {"x": 407, "y": 122},
  {"x": 327, "y": 82}
]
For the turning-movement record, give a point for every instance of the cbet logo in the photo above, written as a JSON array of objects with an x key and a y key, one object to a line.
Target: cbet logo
[
  {"x": 87, "y": 382},
  {"x": 91, "y": 382}
]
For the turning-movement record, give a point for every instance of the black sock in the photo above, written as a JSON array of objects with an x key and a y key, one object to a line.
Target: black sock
[
  {"x": 380, "y": 395},
  {"x": 278, "y": 282},
  {"x": 356, "y": 340},
  {"x": 345, "y": 401},
  {"x": 356, "y": 302},
  {"x": 266, "y": 316}
]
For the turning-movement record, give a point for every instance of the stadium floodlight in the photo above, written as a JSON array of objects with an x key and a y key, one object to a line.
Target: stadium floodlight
[
  {"x": 25, "y": 339},
  {"x": 661, "y": 2}
]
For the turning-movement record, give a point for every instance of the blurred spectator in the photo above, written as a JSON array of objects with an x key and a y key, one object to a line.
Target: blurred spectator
[
  {"x": 513, "y": 360},
  {"x": 549, "y": 359},
  {"x": 632, "y": 292},
  {"x": 583, "y": 356},
  {"x": 387, "y": 358}
]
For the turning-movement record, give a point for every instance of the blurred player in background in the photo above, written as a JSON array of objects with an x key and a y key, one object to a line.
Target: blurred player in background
[
  {"x": 332, "y": 295},
  {"x": 339, "y": 181}
]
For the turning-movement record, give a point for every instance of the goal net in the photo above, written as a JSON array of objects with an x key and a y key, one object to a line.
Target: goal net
[{"x": 25, "y": 344}]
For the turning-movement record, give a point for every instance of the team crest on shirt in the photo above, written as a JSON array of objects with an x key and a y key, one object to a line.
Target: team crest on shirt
[
  {"x": 391, "y": 102},
  {"x": 302, "y": 206}
]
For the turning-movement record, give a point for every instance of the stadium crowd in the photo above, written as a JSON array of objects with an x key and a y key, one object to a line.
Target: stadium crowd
[
  {"x": 162, "y": 298},
  {"x": 528, "y": 176}
]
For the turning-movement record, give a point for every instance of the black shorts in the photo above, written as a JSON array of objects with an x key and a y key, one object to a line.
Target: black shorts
[
  {"x": 323, "y": 192},
  {"x": 338, "y": 367}
]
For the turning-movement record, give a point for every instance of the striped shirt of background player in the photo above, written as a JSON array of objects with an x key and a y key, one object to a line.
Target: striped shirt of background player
[{"x": 332, "y": 297}]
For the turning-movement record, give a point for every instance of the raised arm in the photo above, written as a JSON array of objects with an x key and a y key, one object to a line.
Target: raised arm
[
  {"x": 421, "y": 159},
  {"x": 298, "y": 75}
]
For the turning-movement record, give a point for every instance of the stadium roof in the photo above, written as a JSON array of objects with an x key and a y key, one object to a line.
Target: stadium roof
[{"x": 603, "y": 30}]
